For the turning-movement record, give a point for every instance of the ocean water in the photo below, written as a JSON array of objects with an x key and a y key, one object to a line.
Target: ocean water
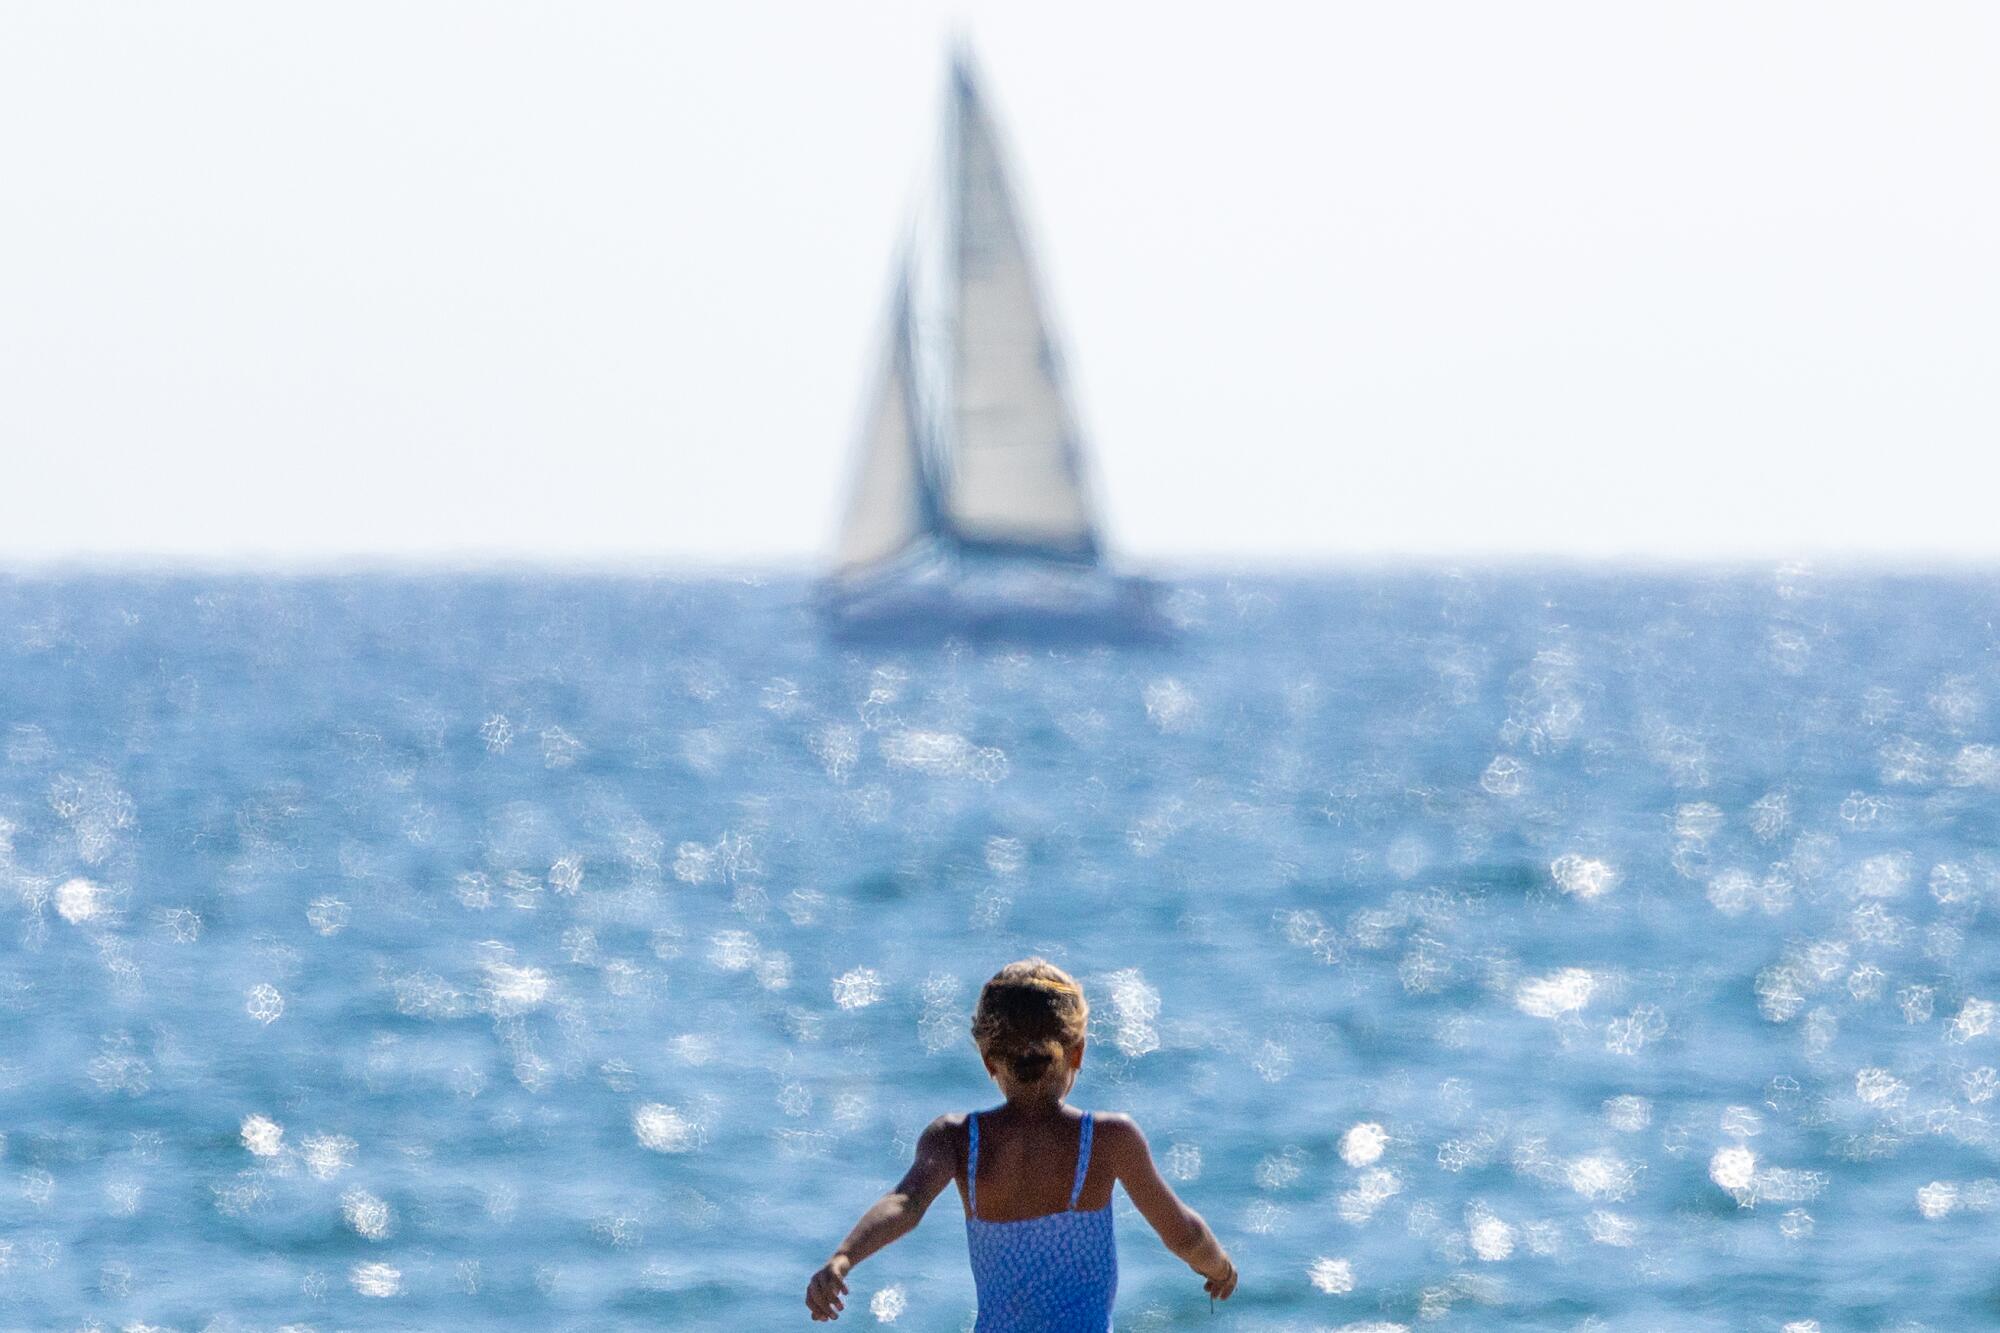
[{"x": 1479, "y": 949}]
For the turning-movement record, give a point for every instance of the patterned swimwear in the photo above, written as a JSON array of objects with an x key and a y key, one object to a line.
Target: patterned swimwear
[{"x": 1057, "y": 1273}]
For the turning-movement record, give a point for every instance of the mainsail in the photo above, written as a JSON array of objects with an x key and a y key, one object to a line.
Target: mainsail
[
  {"x": 892, "y": 505},
  {"x": 1016, "y": 470}
]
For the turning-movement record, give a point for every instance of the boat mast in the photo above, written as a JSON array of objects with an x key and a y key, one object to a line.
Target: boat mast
[
  {"x": 930, "y": 506},
  {"x": 945, "y": 436}
]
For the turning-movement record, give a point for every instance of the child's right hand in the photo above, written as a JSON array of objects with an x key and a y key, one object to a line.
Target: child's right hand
[{"x": 1220, "y": 1287}]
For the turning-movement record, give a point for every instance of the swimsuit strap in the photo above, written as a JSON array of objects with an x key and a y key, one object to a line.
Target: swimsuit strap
[
  {"x": 1082, "y": 1161},
  {"x": 972, "y": 1167}
]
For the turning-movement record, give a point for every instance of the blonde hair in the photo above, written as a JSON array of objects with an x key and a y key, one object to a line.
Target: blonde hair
[{"x": 1029, "y": 1016}]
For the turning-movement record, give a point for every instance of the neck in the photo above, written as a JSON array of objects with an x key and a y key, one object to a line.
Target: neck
[{"x": 1036, "y": 1103}]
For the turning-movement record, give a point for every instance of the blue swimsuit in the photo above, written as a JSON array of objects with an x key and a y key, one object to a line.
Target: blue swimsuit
[{"x": 1057, "y": 1273}]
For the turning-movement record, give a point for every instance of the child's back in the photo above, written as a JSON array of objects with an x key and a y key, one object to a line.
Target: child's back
[{"x": 1043, "y": 1254}]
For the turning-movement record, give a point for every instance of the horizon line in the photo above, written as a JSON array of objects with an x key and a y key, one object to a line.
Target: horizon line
[{"x": 793, "y": 568}]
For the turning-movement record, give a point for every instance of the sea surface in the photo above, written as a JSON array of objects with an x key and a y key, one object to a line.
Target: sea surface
[{"x": 1479, "y": 949}]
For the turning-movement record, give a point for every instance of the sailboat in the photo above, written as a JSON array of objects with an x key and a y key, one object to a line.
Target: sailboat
[{"x": 970, "y": 513}]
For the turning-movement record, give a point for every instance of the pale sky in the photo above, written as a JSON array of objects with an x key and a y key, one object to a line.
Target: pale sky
[{"x": 601, "y": 282}]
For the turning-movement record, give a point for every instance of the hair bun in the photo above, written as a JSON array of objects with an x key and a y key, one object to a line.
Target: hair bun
[{"x": 1029, "y": 1014}]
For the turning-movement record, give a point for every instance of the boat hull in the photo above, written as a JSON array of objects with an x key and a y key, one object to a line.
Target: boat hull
[{"x": 1026, "y": 604}]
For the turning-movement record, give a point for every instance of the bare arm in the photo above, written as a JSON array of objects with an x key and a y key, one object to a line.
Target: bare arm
[
  {"x": 892, "y": 1217},
  {"x": 1180, "y": 1227}
]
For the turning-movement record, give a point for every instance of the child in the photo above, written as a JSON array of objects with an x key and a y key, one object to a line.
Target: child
[{"x": 1035, "y": 1177}]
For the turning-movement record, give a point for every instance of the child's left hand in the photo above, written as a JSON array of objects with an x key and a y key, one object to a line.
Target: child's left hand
[{"x": 828, "y": 1285}]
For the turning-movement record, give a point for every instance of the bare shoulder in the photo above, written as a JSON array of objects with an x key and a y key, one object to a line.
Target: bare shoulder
[
  {"x": 947, "y": 1131},
  {"x": 1120, "y": 1139},
  {"x": 940, "y": 1154}
]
